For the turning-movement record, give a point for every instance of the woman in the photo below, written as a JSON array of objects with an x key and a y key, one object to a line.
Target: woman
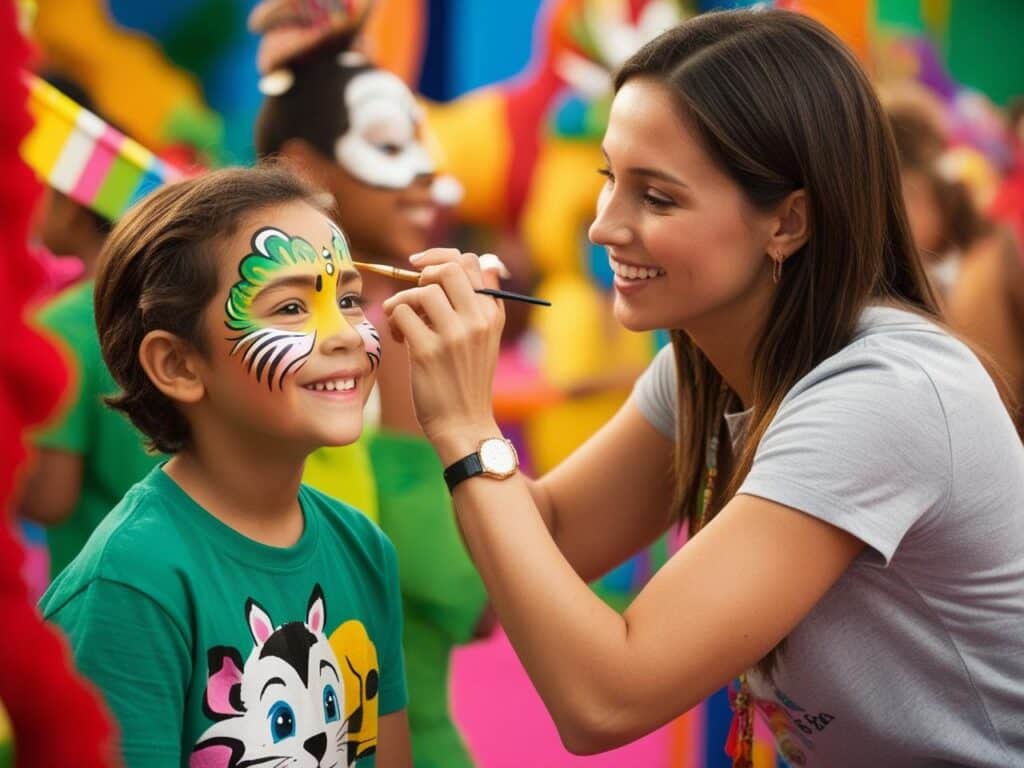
[{"x": 852, "y": 479}]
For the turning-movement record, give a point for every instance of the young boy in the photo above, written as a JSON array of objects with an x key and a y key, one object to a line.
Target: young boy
[{"x": 231, "y": 615}]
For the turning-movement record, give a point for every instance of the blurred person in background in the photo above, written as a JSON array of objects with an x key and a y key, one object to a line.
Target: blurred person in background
[{"x": 973, "y": 261}]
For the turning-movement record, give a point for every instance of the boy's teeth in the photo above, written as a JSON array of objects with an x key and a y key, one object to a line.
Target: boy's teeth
[{"x": 337, "y": 385}]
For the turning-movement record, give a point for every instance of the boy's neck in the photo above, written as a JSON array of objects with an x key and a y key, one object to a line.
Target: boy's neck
[{"x": 255, "y": 493}]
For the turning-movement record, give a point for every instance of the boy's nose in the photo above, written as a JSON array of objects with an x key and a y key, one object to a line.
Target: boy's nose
[{"x": 341, "y": 334}]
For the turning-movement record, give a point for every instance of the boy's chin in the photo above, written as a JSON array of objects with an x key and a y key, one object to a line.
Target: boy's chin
[{"x": 338, "y": 437}]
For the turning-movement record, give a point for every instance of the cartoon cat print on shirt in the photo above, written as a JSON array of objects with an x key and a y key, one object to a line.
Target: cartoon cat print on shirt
[{"x": 284, "y": 707}]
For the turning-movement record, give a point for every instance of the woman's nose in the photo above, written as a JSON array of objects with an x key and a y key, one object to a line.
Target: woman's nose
[{"x": 608, "y": 227}]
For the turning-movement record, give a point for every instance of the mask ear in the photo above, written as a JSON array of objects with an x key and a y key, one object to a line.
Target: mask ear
[
  {"x": 316, "y": 614},
  {"x": 260, "y": 624},
  {"x": 224, "y": 685}
]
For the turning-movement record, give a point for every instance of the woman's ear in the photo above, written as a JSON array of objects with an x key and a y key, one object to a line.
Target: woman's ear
[
  {"x": 171, "y": 364},
  {"x": 792, "y": 224}
]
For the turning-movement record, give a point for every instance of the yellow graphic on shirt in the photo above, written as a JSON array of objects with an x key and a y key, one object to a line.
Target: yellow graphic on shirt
[{"x": 361, "y": 677}]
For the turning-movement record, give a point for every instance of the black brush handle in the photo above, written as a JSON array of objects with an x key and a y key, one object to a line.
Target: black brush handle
[{"x": 513, "y": 296}]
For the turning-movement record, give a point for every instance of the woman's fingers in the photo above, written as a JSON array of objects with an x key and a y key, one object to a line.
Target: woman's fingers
[
  {"x": 488, "y": 267},
  {"x": 493, "y": 269},
  {"x": 407, "y": 326},
  {"x": 431, "y": 304},
  {"x": 456, "y": 283}
]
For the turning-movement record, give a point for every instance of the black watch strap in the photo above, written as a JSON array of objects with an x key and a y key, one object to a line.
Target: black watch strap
[{"x": 463, "y": 469}]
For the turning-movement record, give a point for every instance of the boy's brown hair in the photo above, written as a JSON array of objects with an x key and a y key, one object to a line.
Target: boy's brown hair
[{"x": 158, "y": 271}]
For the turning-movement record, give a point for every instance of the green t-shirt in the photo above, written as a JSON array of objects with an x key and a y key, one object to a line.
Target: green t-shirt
[
  {"x": 113, "y": 455},
  {"x": 442, "y": 594},
  {"x": 213, "y": 650}
]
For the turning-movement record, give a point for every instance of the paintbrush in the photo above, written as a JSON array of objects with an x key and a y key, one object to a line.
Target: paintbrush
[{"x": 410, "y": 276}]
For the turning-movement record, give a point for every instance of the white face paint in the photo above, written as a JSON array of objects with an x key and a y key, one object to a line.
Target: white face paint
[{"x": 381, "y": 146}]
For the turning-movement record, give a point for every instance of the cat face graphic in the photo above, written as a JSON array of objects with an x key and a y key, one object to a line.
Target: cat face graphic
[{"x": 284, "y": 706}]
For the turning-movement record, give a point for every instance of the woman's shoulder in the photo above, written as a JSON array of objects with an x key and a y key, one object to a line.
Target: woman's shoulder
[
  {"x": 904, "y": 344},
  {"x": 905, "y": 372}
]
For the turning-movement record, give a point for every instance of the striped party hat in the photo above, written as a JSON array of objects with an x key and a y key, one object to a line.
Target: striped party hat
[{"x": 90, "y": 161}]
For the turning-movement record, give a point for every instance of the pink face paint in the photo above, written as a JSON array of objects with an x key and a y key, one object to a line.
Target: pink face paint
[{"x": 371, "y": 338}]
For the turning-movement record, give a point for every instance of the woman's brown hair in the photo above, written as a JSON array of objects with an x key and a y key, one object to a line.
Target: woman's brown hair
[
  {"x": 158, "y": 271},
  {"x": 780, "y": 104}
]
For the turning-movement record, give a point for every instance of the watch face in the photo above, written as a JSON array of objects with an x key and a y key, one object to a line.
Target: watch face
[{"x": 498, "y": 457}]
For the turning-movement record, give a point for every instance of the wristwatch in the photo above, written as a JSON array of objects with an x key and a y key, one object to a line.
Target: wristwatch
[{"x": 496, "y": 458}]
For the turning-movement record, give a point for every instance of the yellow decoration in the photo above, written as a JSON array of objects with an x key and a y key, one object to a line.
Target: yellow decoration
[{"x": 470, "y": 140}]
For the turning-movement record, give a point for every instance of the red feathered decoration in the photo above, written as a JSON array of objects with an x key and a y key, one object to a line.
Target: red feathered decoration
[{"x": 56, "y": 718}]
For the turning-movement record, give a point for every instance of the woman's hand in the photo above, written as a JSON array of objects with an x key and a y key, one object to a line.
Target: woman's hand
[{"x": 452, "y": 335}]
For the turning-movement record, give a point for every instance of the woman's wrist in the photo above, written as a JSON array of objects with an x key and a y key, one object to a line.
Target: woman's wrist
[{"x": 456, "y": 443}]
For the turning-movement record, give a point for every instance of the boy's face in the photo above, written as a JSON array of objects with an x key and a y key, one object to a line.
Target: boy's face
[{"x": 292, "y": 358}]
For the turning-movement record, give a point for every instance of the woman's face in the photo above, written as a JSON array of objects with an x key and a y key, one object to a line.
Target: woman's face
[
  {"x": 683, "y": 241},
  {"x": 384, "y": 180}
]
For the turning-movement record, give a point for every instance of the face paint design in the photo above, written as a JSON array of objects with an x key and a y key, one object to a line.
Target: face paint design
[
  {"x": 371, "y": 339},
  {"x": 381, "y": 147},
  {"x": 276, "y": 352}
]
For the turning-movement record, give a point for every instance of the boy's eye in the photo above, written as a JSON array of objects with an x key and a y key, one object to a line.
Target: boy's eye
[
  {"x": 351, "y": 301},
  {"x": 291, "y": 308}
]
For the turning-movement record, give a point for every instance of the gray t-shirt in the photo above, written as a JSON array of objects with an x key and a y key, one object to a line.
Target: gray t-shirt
[{"x": 915, "y": 657}]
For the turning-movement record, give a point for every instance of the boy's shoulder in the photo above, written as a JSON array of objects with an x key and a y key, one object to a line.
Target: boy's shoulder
[{"x": 138, "y": 544}]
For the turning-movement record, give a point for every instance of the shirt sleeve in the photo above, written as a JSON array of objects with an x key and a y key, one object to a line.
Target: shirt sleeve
[
  {"x": 138, "y": 658},
  {"x": 654, "y": 393},
  {"x": 393, "y": 693},
  {"x": 864, "y": 446}
]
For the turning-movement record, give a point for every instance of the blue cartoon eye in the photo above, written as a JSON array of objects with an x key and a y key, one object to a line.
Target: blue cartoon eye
[
  {"x": 282, "y": 721},
  {"x": 331, "y": 712}
]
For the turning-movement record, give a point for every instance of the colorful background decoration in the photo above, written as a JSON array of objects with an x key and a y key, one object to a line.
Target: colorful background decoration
[{"x": 77, "y": 153}]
